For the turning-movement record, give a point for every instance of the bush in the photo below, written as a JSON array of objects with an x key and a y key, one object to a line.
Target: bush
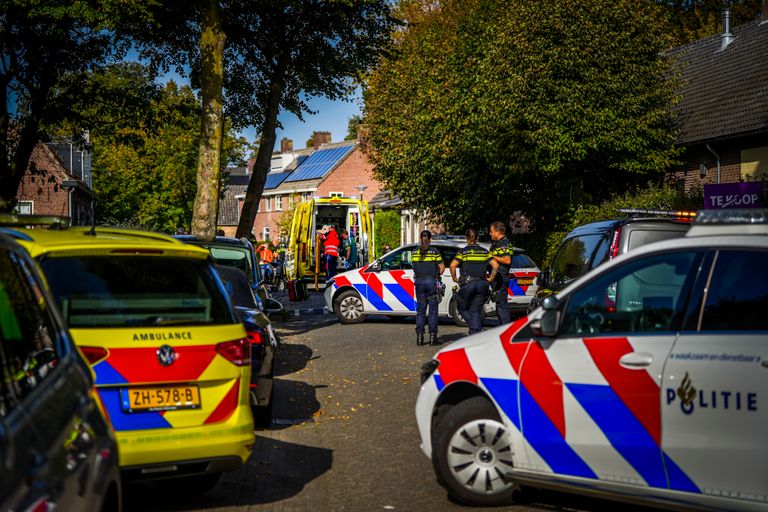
[{"x": 386, "y": 226}]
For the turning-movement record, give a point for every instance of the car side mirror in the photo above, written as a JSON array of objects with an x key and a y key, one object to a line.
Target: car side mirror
[
  {"x": 548, "y": 323},
  {"x": 543, "y": 279}
]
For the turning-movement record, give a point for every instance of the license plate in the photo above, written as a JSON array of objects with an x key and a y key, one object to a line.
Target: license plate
[
  {"x": 163, "y": 398},
  {"x": 525, "y": 281}
]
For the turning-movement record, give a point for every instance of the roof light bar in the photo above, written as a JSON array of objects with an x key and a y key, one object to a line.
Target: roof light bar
[
  {"x": 735, "y": 216},
  {"x": 682, "y": 214}
]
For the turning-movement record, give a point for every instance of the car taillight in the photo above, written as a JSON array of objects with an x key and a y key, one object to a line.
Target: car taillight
[
  {"x": 237, "y": 352},
  {"x": 614, "y": 251},
  {"x": 255, "y": 337},
  {"x": 94, "y": 354}
]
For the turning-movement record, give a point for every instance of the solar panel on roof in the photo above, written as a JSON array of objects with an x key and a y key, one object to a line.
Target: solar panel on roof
[
  {"x": 275, "y": 179},
  {"x": 319, "y": 163}
]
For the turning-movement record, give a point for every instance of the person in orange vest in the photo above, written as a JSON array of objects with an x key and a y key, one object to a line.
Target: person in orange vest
[
  {"x": 330, "y": 249},
  {"x": 266, "y": 254}
]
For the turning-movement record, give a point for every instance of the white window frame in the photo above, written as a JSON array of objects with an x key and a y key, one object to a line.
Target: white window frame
[
  {"x": 267, "y": 203},
  {"x": 336, "y": 194},
  {"x": 25, "y": 202},
  {"x": 265, "y": 233},
  {"x": 278, "y": 203}
]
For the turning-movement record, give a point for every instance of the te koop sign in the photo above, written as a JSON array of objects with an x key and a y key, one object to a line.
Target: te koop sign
[{"x": 734, "y": 195}]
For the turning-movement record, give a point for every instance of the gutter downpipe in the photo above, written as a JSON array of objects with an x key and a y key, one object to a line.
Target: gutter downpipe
[{"x": 718, "y": 161}]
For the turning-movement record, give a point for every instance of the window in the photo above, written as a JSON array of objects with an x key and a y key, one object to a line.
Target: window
[
  {"x": 24, "y": 208},
  {"x": 267, "y": 204},
  {"x": 128, "y": 291},
  {"x": 278, "y": 203},
  {"x": 577, "y": 256},
  {"x": 738, "y": 295},
  {"x": 398, "y": 260},
  {"x": 520, "y": 260},
  {"x": 28, "y": 353},
  {"x": 640, "y": 296},
  {"x": 265, "y": 233},
  {"x": 336, "y": 194}
]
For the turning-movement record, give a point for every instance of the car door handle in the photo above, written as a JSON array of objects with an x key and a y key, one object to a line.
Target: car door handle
[{"x": 635, "y": 360}]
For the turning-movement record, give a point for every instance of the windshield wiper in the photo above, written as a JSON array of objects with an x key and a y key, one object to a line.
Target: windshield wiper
[{"x": 163, "y": 320}]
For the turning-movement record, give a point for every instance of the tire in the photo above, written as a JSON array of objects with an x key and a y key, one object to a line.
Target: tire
[
  {"x": 453, "y": 310},
  {"x": 471, "y": 453},
  {"x": 348, "y": 307}
]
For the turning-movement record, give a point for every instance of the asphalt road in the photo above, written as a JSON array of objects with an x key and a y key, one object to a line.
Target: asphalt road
[{"x": 344, "y": 435}]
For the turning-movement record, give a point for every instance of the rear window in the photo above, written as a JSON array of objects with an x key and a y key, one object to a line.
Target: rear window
[
  {"x": 522, "y": 261},
  {"x": 231, "y": 257},
  {"x": 575, "y": 257},
  {"x": 641, "y": 237},
  {"x": 109, "y": 291}
]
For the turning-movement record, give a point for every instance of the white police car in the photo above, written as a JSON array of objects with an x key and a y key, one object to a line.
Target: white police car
[
  {"x": 386, "y": 285},
  {"x": 647, "y": 379}
]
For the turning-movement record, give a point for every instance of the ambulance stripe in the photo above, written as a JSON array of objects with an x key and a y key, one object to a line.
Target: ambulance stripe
[
  {"x": 227, "y": 405},
  {"x": 540, "y": 379},
  {"x": 454, "y": 365},
  {"x": 505, "y": 392},
  {"x": 106, "y": 375},
  {"x": 545, "y": 437},
  {"x": 637, "y": 390},
  {"x": 376, "y": 301},
  {"x": 140, "y": 364},
  {"x": 678, "y": 480},
  {"x": 341, "y": 281},
  {"x": 625, "y": 433},
  {"x": 407, "y": 284},
  {"x": 122, "y": 420},
  {"x": 401, "y": 295}
]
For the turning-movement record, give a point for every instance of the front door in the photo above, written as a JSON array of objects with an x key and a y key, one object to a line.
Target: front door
[
  {"x": 591, "y": 398},
  {"x": 716, "y": 383},
  {"x": 391, "y": 289}
]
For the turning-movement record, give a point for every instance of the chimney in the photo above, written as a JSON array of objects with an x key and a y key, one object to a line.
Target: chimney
[
  {"x": 321, "y": 138},
  {"x": 286, "y": 145},
  {"x": 727, "y": 37}
]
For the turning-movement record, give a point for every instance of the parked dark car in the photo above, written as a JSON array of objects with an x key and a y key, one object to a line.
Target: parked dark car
[
  {"x": 238, "y": 253},
  {"x": 263, "y": 340},
  {"x": 56, "y": 450},
  {"x": 591, "y": 245}
]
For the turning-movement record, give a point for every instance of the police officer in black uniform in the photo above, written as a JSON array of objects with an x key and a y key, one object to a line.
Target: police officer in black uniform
[
  {"x": 501, "y": 253},
  {"x": 427, "y": 267},
  {"x": 473, "y": 260}
]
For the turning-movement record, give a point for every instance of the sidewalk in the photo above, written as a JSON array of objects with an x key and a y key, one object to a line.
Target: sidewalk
[{"x": 314, "y": 305}]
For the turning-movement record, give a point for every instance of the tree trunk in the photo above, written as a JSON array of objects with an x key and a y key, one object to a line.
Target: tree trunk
[
  {"x": 264, "y": 155},
  {"x": 212, "y": 40}
]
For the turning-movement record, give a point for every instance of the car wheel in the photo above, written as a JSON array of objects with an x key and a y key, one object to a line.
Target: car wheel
[
  {"x": 453, "y": 310},
  {"x": 472, "y": 454},
  {"x": 348, "y": 307}
]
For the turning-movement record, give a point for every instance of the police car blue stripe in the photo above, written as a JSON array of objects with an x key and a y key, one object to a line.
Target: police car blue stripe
[
  {"x": 515, "y": 288},
  {"x": 376, "y": 301},
  {"x": 439, "y": 382},
  {"x": 122, "y": 421},
  {"x": 545, "y": 438},
  {"x": 504, "y": 392},
  {"x": 625, "y": 433},
  {"x": 401, "y": 295},
  {"x": 678, "y": 480},
  {"x": 106, "y": 375}
]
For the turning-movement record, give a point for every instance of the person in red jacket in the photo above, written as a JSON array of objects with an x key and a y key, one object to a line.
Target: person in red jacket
[{"x": 330, "y": 250}]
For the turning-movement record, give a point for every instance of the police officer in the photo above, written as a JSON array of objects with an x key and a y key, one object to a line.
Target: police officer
[
  {"x": 472, "y": 259},
  {"x": 427, "y": 267},
  {"x": 501, "y": 253}
]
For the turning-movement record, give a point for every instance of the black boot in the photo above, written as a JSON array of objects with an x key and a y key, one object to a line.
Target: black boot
[
  {"x": 419, "y": 339},
  {"x": 433, "y": 338}
]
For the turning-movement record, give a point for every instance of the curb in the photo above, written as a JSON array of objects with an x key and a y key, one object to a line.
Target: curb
[{"x": 308, "y": 311}]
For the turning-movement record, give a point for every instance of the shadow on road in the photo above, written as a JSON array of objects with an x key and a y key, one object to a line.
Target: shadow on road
[
  {"x": 292, "y": 358},
  {"x": 277, "y": 470},
  {"x": 295, "y": 402}
]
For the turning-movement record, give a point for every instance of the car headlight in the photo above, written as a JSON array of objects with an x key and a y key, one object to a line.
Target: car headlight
[{"x": 428, "y": 368}]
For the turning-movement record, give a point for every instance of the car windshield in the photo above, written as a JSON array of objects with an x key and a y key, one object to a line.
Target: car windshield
[
  {"x": 575, "y": 256},
  {"x": 109, "y": 291},
  {"x": 520, "y": 260}
]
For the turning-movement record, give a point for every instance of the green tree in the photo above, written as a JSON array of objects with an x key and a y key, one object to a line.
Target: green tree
[
  {"x": 690, "y": 20},
  {"x": 486, "y": 107},
  {"x": 386, "y": 224},
  {"x": 286, "y": 51},
  {"x": 352, "y": 125}
]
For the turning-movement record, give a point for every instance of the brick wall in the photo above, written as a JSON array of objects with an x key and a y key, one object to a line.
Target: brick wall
[
  {"x": 730, "y": 153},
  {"x": 41, "y": 183},
  {"x": 355, "y": 170}
]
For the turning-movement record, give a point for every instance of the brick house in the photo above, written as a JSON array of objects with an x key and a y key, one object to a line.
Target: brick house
[
  {"x": 723, "y": 112},
  {"x": 325, "y": 170},
  {"x": 49, "y": 188}
]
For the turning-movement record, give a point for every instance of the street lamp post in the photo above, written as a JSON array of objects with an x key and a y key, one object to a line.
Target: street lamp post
[{"x": 361, "y": 188}]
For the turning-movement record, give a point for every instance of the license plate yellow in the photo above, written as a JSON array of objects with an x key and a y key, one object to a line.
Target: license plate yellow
[
  {"x": 161, "y": 398},
  {"x": 525, "y": 281}
]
